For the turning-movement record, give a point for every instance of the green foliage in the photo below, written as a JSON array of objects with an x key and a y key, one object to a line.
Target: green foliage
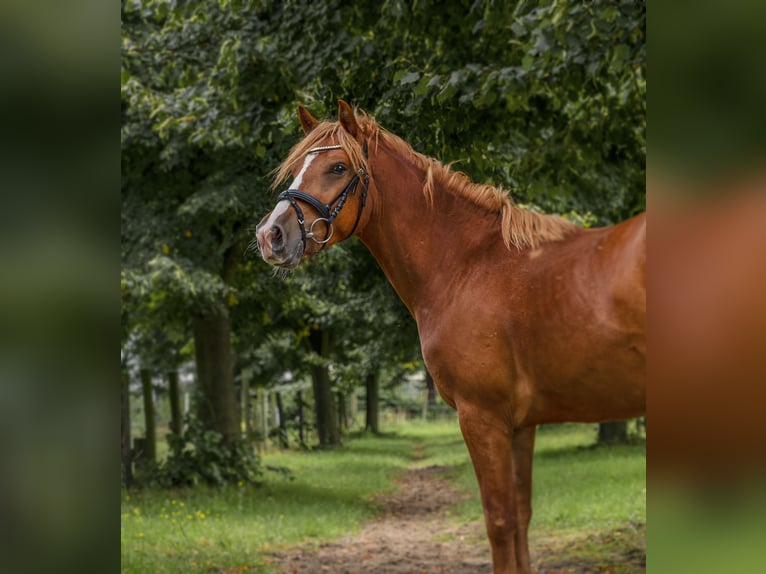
[
  {"x": 544, "y": 98},
  {"x": 345, "y": 292},
  {"x": 201, "y": 456},
  {"x": 708, "y": 124}
]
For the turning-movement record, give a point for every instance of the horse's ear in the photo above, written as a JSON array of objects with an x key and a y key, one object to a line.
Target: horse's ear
[
  {"x": 308, "y": 122},
  {"x": 347, "y": 118}
]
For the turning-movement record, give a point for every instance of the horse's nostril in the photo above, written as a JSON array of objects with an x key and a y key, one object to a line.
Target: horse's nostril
[{"x": 276, "y": 235}]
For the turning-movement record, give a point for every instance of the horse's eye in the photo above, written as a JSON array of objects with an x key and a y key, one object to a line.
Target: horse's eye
[{"x": 338, "y": 169}]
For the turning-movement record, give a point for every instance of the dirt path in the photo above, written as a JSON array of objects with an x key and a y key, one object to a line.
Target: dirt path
[
  {"x": 412, "y": 536},
  {"x": 415, "y": 535}
]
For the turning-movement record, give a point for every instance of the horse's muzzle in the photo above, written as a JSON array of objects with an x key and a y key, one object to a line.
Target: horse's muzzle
[{"x": 276, "y": 246}]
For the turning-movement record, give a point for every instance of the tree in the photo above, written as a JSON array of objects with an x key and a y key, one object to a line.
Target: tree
[
  {"x": 320, "y": 343},
  {"x": 187, "y": 213},
  {"x": 372, "y": 402},
  {"x": 174, "y": 396},
  {"x": 546, "y": 99},
  {"x": 126, "y": 455},
  {"x": 614, "y": 432},
  {"x": 150, "y": 436}
]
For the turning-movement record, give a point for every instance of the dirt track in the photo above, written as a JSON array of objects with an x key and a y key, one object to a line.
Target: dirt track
[{"x": 415, "y": 535}]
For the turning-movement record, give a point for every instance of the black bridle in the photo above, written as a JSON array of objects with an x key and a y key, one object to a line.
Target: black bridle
[{"x": 295, "y": 195}]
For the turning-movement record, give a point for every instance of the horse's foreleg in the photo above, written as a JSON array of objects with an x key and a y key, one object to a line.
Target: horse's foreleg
[
  {"x": 523, "y": 447},
  {"x": 489, "y": 442}
]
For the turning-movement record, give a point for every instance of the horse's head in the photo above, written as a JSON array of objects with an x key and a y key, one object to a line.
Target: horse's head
[{"x": 325, "y": 201}]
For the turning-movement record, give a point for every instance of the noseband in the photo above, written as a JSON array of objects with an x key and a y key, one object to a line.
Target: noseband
[{"x": 295, "y": 195}]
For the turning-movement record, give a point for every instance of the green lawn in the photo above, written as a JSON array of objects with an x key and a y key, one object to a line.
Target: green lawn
[
  {"x": 576, "y": 490},
  {"x": 202, "y": 529},
  {"x": 576, "y": 487}
]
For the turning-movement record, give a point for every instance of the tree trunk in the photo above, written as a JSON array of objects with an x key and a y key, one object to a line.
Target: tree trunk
[
  {"x": 372, "y": 385},
  {"x": 282, "y": 422},
  {"x": 324, "y": 402},
  {"x": 615, "y": 432},
  {"x": 431, "y": 389},
  {"x": 176, "y": 417},
  {"x": 301, "y": 421},
  {"x": 217, "y": 404},
  {"x": 261, "y": 419},
  {"x": 353, "y": 407},
  {"x": 342, "y": 421},
  {"x": 125, "y": 452},
  {"x": 429, "y": 396},
  {"x": 247, "y": 411},
  {"x": 150, "y": 445}
]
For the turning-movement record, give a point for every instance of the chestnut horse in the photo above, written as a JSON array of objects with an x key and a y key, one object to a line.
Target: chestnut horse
[{"x": 523, "y": 318}]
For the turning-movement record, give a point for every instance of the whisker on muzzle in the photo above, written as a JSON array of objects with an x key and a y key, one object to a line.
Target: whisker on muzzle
[
  {"x": 281, "y": 272},
  {"x": 253, "y": 246}
]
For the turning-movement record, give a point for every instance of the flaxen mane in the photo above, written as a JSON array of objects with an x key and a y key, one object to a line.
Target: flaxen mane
[{"x": 521, "y": 228}]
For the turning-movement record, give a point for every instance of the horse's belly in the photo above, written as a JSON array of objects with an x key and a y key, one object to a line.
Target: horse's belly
[{"x": 611, "y": 386}]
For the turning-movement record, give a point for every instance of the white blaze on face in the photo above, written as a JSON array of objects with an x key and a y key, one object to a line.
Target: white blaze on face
[
  {"x": 284, "y": 205},
  {"x": 297, "y": 181},
  {"x": 278, "y": 210}
]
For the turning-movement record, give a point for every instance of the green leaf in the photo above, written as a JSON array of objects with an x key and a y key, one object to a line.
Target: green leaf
[
  {"x": 527, "y": 61},
  {"x": 422, "y": 86},
  {"x": 409, "y": 78},
  {"x": 619, "y": 56},
  {"x": 518, "y": 29}
]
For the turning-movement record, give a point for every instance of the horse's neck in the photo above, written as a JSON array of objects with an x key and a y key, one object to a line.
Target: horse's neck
[{"x": 420, "y": 246}]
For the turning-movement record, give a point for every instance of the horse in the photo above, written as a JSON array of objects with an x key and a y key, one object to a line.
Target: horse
[{"x": 523, "y": 318}]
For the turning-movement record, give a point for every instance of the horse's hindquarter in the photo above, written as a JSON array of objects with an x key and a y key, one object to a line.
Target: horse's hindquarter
[{"x": 551, "y": 334}]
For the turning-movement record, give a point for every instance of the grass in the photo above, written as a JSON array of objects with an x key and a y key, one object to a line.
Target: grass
[
  {"x": 576, "y": 486},
  {"x": 708, "y": 527},
  {"x": 213, "y": 529},
  {"x": 578, "y": 491},
  {"x": 589, "y": 503}
]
